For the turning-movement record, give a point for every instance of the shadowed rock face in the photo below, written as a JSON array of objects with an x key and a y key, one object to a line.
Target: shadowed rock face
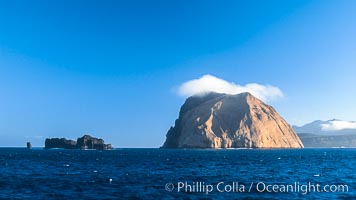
[
  {"x": 51, "y": 143},
  {"x": 230, "y": 121},
  {"x": 89, "y": 142},
  {"x": 85, "y": 142}
]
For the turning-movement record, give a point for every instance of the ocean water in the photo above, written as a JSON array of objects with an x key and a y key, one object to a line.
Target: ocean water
[{"x": 178, "y": 173}]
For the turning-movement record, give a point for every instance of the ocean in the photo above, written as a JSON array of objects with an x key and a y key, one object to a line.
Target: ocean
[{"x": 178, "y": 174}]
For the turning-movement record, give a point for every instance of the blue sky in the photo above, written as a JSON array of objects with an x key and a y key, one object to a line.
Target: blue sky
[{"x": 112, "y": 68}]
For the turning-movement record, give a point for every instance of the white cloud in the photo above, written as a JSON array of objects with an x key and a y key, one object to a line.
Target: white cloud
[
  {"x": 209, "y": 83},
  {"x": 337, "y": 125}
]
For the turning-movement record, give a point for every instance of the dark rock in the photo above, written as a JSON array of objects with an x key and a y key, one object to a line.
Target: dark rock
[
  {"x": 89, "y": 142},
  {"x": 29, "y": 145},
  {"x": 85, "y": 142},
  {"x": 51, "y": 143}
]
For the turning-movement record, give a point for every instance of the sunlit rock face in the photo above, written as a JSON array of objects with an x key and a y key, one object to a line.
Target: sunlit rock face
[{"x": 217, "y": 120}]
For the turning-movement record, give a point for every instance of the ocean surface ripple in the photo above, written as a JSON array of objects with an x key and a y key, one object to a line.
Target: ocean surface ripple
[{"x": 158, "y": 173}]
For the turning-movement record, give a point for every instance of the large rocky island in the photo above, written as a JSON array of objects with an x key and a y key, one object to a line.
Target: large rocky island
[
  {"x": 219, "y": 120},
  {"x": 85, "y": 142}
]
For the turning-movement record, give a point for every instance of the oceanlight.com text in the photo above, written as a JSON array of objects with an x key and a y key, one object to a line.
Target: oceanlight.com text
[{"x": 236, "y": 187}]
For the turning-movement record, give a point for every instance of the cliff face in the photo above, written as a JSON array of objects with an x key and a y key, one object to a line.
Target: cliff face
[
  {"x": 85, "y": 142},
  {"x": 230, "y": 121}
]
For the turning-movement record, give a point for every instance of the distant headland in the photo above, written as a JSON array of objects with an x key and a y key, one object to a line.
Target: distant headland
[{"x": 84, "y": 142}]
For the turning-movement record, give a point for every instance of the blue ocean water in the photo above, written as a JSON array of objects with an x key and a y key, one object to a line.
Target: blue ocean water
[{"x": 177, "y": 173}]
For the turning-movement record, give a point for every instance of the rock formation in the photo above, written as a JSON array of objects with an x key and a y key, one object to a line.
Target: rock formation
[
  {"x": 89, "y": 142},
  {"x": 63, "y": 143},
  {"x": 29, "y": 145},
  {"x": 85, "y": 142},
  {"x": 230, "y": 121}
]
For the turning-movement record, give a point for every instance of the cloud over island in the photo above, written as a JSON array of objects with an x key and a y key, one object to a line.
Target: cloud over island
[
  {"x": 337, "y": 125},
  {"x": 209, "y": 83}
]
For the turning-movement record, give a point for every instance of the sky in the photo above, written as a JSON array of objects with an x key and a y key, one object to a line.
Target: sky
[{"x": 117, "y": 69}]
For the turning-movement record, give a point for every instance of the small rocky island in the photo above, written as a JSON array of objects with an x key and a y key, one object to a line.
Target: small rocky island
[
  {"x": 85, "y": 142},
  {"x": 29, "y": 145}
]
